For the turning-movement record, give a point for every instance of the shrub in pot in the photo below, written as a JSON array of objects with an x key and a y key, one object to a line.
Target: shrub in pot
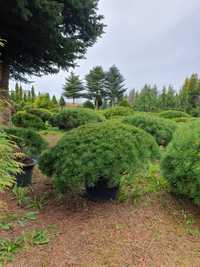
[
  {"x": 117, "y": 111},
  {"x": 97, "y": 154},
  {"x": 161, "y": 129},
  {"x": 73, "y": 118},
  {"x": 181, "y": 162},
  {"x": 170, "y": 114},
  {"x": 26, "y": 120}
]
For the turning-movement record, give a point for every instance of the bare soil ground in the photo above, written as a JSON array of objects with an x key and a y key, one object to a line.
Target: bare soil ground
[{"x": 158, "y": 231}]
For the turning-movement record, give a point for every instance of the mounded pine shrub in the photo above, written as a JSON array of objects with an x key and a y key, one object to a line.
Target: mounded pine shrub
[
  {"x": 30, "y": 142},
  {"x": 181, "y": 162},
  {"x": 98, "y": 151},
  {"x": 161, "y": 129},
  {"x": 72, "y": 118},
  {"x": 170, "y": 114},
  {"x": 117, "y": 112},
  {"x": 26, "y": 120},
  {"x": 41, "y": 113}
]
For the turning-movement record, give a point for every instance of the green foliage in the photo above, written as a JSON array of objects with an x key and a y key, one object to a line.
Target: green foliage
[
  {"x": 144, "y": 182},
  {"x": 124, "y": 103},
  {"x": 62, "y": 102},
  {"x": 106, "y": 150},
  {"x": 9, "y": 167},
  {"x": 161, "y": 129},
  {"x": 170, "y": 114},
  {"x": 57, "y": 33},
  {"x": 114, "y": 86},
  {"x": 117, "y": 111},
  {"x": 88, "y": 104},
  {"x": 9, "y": 247},
  {"x": 30, "y": 142},
  {"x": 73, "y": 118},
  {"x": 73, "y": 87},
  {"x": 26, "y": 120},
  {"x": 180, "y": 164},
  {"x": 43, "y": 114},
  {"x": 95, "y": 83},
  {"x": 44, "y": 101}
]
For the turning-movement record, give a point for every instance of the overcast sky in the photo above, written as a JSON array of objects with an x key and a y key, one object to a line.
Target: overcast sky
[{"x": 150, "y": 41}]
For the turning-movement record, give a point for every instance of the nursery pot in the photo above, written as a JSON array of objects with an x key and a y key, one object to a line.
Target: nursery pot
[
  {"x": 101, "y": 191},
  {"x": 25, "y": 178}
]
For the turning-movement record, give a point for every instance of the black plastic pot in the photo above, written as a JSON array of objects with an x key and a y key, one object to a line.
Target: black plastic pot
[
  {"x": 101, "y": 191},
  {"x": 25, "y": 178}
]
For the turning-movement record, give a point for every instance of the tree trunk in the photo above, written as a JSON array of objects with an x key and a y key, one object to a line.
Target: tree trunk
[
  {"x": 5, "y": 105},
  {"x": 4, "y": 80}
]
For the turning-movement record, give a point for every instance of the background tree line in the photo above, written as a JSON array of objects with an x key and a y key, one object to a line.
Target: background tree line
[{"x": 150, "y": 99}]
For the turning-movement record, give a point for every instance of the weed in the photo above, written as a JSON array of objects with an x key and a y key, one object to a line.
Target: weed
[
  {"x": 38, "y": 202},
  {"x": 8, "y": 248},
  {"x": 21, "y": 195},
  {"x": 36, "y": 237},
  {"x": 5, "y": 226}
]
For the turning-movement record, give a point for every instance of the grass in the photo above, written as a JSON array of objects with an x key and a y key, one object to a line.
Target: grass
[
  {"x": 146, "y": 181},
  {"x": 9, "y": 247}
]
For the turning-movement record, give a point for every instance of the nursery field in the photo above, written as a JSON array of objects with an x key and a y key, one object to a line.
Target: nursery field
[
  {"x": 111, "y": 188},
  {"x": 157, "y": 230}
]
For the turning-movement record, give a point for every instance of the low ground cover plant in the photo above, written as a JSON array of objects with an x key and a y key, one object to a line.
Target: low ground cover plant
[
  {"x": 92, "y": 152},
  {"x": 72, "y": 118},
  {"x": 26, "y": 120},
  {"x": 117, "y": 111},
  {"x": 30, "y": 142},
  {"x": 161, "y": 129},
  {"x": 180, "y": 164},
  {"x": 170, "y": 114}
]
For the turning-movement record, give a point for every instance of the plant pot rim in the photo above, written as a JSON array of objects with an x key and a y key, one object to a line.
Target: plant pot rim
[{"x": 32, "y": 164}]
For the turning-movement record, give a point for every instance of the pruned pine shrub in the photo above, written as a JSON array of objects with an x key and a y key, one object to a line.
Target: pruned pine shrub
[
  {"x": 170, "y": 114},
  {"x": 117, "y": 112},
  {"x": 9, "y": 167},
  {"x": 30, "y": 142},
  {"x": 26, "y": 120},
  {"x": 181, "y": 162},
  {"x": 107, "y": 150},
  {"x": 72, "y": 118},
  {"x": 161, "y": 129},
  {"x": 43, "y": 114}
]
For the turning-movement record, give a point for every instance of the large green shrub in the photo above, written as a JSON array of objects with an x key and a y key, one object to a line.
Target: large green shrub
[
  {"x": 105, "y": 150},
  {"x": 30, "y": 142},
  {"x": 73, "y": 118},
  {"x": 42, "y": 113},
  {"x": 9, "y": 167},
  {"x": 117, "y": 111},
  {"x": 161, "y": 129},
  {"x": 26, "y": 120},
  {"x": 170, "y": 114},
  {"x": 181, "y": 162}
]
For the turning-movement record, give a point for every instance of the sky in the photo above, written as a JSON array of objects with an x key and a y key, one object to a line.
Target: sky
[{"x": 150, "y": 41}]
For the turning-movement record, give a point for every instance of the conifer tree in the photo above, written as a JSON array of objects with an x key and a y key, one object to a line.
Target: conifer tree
[
  {"x": 62, "y": 102},
  {"x": 114, "y": 86},
  {"x": 95, "y": 84},
  {"x": 73, "y": 87}
]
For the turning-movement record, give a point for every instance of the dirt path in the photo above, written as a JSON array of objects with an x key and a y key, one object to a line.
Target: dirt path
[{"x": 157, "y": 232}]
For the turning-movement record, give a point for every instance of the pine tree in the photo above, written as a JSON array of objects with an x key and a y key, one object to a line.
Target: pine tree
[
  {"x": 62, "y": 102},
  {"x": 114, "y": 86},
  {"x": 95, "y": 84},
  {"x": 59, "y": 33},
  {"x": 73, "y": 87},
  {"x": 33, "y": 95},
  {"x": 54, "y": 100}
]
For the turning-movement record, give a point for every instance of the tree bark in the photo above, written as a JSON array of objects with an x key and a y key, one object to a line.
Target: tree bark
[{"x": 4, "y": 81}]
